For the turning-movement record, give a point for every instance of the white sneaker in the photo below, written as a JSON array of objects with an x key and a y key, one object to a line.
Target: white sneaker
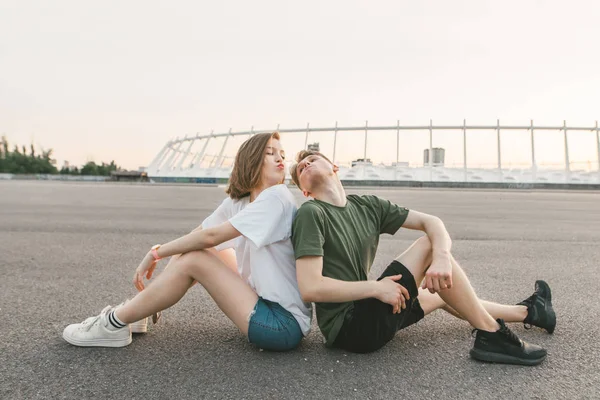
[
  {"x": 140, "y": 326},
  {"x": 94, "y": 332}
]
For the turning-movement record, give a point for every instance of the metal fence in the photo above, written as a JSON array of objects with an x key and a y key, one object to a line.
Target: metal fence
[{"x": 191, "y": 157}]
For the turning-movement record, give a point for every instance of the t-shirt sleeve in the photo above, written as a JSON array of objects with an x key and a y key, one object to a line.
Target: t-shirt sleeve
[
  {"x": 308, "y": 235},
  {"x": 391, "y": 216},
  {"x": 220, "y": 215},
  {"x": 265, "y": 220}
]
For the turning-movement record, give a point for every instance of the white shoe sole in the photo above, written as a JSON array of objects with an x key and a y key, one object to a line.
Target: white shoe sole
[
  {"x": 140, "y": 326},
  {"x": 98, "y": 342}
]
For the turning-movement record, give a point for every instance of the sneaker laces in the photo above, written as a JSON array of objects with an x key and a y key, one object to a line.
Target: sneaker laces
[
  {"x": 89, "y": 322},
  {"x": 504, "y": 330}
]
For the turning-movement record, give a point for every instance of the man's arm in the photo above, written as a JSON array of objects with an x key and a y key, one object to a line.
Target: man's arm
[
  {"x": 314, "y": 287},
  {"x": 433, "y": 227},
  {"x": 439, "y": 274}
]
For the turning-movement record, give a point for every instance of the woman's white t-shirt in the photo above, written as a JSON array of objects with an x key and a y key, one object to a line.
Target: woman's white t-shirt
[{"x": 264, "y": 252}]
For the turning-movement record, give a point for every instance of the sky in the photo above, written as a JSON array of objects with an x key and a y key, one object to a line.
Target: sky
[{"x": 115, "y": 80}]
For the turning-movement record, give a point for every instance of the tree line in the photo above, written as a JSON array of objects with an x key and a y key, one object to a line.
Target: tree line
[{"x": 22, "y": 161}]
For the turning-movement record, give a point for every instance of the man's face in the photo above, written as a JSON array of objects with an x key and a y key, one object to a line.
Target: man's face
[{"x": 311, "y": 170}]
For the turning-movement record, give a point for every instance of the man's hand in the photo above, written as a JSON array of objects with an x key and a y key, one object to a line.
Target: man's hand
[
  {"x": 392, "y": 293},
  {"x": 439, "y": 275},
  {"x": 146, "y": 268}
]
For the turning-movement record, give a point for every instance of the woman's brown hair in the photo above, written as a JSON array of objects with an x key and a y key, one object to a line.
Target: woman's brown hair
[{"x": 247, "y": 167}]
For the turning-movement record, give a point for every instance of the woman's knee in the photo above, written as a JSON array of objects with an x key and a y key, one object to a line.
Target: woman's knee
[{"x": 194, "y": 263}]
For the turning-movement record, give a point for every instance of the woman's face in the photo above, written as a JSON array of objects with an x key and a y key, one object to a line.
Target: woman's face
[{"x": 273, "y": 169}]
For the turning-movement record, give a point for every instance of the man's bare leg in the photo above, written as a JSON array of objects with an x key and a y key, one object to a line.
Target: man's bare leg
[
  {"x": 494, "y": 342},
  {"x": 461, "y": 297},
  {"x": 432, "y": 301}
]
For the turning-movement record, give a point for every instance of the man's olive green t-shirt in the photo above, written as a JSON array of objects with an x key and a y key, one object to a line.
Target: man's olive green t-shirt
[{"x": 347, "y": 238}]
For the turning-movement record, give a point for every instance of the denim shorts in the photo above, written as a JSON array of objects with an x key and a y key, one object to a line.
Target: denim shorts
[{"x": 272, "y": 327}]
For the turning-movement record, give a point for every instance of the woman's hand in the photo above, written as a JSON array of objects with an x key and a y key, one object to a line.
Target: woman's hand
[{"x": 146, "y": 268}]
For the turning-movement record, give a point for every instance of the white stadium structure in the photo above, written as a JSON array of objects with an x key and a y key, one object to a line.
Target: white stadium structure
[{"x": 529, "y": 155}]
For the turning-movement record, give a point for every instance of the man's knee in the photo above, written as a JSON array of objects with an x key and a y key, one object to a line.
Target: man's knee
[
  {"x": 424, "y": 243},
  {"x": 421, "y": 247},
  {"x": 417, "y": 257}
]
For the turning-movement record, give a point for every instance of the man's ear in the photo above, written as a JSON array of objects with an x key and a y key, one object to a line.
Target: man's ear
[
  {"x": 305, "y": 193},
  {"x": 335, "y": 168}
]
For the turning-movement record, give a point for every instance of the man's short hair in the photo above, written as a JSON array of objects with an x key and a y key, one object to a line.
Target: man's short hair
[{"x": 301, "y": 156}]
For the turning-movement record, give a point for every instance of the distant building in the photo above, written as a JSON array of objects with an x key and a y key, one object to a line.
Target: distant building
[
  {"x": 130, "y": 176},
  {"x": 362, "y": 161},
  {"x": 313, "y": 147},
  {"x": 439, "y": 155}
]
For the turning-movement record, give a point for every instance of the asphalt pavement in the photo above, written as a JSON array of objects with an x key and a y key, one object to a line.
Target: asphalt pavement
[{"x": 69, "y": 249}]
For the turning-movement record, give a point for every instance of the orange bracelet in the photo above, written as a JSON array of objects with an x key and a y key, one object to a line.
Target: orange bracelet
[{"x": 155, "y": 252}]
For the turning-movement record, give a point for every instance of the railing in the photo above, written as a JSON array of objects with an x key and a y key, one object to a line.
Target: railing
[{"x": 177, "y": 158}]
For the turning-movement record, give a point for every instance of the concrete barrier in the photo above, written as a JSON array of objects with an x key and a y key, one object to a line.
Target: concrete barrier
[{"x": 54, "y": 177}]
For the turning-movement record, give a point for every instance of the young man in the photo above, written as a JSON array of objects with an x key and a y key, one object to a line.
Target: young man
[{"x": 335, "y": 238}]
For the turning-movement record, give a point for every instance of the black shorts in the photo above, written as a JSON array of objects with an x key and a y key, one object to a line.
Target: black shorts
[{"x": 370, "y": 323}]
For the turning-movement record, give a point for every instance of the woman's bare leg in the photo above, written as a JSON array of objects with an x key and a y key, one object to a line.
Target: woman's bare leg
[{"x": 233, "y": 296}]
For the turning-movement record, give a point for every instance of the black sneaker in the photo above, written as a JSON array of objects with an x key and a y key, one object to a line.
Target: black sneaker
[
  {"x": 539, "y": 308},
  {"x": 503, "y": 346}
]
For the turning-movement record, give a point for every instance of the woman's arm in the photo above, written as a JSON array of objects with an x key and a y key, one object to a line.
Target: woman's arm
[
  {"x": 196, "y": 240},
  {"x": 176, "y": 256},
  {"x": 199, "y": 240}
]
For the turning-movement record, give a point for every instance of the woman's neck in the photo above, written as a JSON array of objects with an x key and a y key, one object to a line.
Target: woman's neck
[{"x": 258, "y": 190}]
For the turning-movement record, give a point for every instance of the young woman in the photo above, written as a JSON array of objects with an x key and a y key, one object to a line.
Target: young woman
[{"x": 255, "y": 287}]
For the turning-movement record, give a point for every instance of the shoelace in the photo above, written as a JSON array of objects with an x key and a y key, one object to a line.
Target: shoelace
[
  {"x": 504, "y": 330},
  {"x": 89, "y": 322},
  {"x": 510, "y": 334}
]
